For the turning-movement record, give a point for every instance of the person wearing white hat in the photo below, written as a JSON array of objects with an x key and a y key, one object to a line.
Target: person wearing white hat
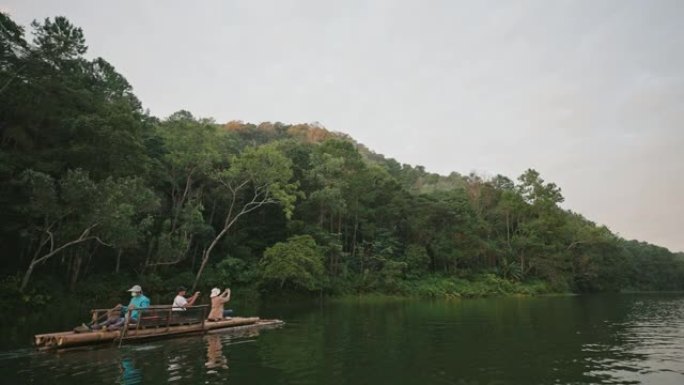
[
  {"x": 218, "y": 299},
  {"x": 138, "y": 301}
]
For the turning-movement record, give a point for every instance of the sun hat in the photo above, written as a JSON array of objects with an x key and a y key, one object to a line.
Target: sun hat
[
  {"x": 214, "y": 292},
  {"x": 136, "y": 288}
]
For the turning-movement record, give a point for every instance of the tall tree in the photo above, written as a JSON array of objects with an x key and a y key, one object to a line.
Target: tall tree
[
  {"x": 76, "y": 210},
  {"x": 190, "y": 154},
  {"x": 258, "y": 176}
]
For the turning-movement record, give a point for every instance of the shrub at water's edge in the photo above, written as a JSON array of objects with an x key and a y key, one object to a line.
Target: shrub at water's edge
[
  {"x": 449, "y": 288},
  {"x": 480, "y": 286}
]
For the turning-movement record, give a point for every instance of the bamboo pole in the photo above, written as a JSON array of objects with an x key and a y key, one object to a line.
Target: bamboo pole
[
  {"x": 168, "y": 320},
  {"x": 86, "y": 338},
  {"x": 70, "y": 339}
]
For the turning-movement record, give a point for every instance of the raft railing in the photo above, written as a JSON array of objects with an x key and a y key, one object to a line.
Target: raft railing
[{"x": 157, "y": 316}]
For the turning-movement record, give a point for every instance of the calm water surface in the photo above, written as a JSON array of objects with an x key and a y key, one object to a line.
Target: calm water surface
[{"x": 619, "y": 339}]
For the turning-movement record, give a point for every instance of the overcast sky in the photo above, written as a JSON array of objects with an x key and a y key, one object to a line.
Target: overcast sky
[{"x": 589, "y": 93}]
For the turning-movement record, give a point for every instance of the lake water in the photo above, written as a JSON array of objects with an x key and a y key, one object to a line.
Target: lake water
[{"x": 602, "y": 339}]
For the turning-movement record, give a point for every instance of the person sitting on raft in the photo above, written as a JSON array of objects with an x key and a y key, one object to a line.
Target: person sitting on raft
[
  {"x": 180, "y": 302},
  {"x": 138, "y": 301},
  {"x": 218, "y": 299}
]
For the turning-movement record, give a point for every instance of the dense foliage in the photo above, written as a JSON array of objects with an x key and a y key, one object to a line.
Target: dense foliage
[{"x": 93, "y": 188}]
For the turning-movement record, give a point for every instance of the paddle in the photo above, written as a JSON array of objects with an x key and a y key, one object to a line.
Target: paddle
[{"x": 125, "y": 328}]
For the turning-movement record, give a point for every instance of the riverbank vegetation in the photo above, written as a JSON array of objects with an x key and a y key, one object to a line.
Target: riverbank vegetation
[{"x": 95, "y": 194}]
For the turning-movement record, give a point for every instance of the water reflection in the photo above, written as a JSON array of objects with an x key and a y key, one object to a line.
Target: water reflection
[
  {"x": 215, "y": 358},
  {"x": 567, "y": 340},
  {"x": 130, "y": 375},
  {"x": 646, "y": 347},
  {"x": 180, "y": 364}
]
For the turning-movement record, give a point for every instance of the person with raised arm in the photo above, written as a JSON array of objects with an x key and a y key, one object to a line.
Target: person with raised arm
[
  {"x": 218, "y": 300},
  {"x": 180, "y": 302}
]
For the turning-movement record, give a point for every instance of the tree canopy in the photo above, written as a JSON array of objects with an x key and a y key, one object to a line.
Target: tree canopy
[{"x": 93, "y": 186}]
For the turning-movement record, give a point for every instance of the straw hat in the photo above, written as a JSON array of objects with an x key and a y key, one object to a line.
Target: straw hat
[{"x": 215, "y": 292}]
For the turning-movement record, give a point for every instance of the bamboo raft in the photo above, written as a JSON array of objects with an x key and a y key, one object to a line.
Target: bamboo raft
[{"x": 155, "y": 322}]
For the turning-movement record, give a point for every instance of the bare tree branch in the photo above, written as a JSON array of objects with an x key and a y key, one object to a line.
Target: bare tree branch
[{"x": 82, "y": 238}]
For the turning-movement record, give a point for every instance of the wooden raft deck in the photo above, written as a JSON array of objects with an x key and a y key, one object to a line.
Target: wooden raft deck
[{"x": 69, "y": 339}]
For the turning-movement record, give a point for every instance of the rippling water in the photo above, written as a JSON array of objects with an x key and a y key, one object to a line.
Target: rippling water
[{"x": 618, "y": 339}]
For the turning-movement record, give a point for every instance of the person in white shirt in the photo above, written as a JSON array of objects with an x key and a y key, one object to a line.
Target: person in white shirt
[{"x": 180, "y": 302}]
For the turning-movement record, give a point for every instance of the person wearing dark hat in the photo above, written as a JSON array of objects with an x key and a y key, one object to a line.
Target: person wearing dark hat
[{"x": 180, "y": 302}]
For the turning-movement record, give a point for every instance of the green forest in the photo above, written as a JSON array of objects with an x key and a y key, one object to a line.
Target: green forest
[{"x": 97, "y": 194}]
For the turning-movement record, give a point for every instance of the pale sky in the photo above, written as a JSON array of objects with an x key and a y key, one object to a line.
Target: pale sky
[{"x": 589, "y": 93}]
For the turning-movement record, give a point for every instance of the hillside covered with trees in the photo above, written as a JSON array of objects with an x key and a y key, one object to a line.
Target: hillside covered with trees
[{"x": 95, "y": 193}]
